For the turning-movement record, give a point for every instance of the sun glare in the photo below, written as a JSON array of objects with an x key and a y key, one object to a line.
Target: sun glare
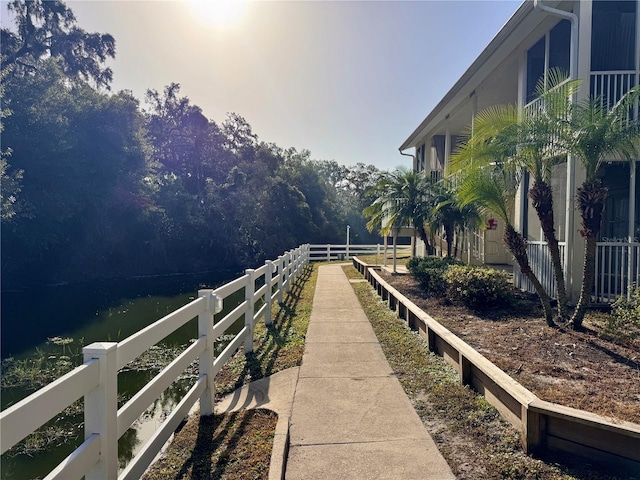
[{"x": 219, "y": 13}]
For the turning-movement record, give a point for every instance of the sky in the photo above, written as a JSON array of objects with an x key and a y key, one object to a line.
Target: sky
[{"x": 349, "y": 81}]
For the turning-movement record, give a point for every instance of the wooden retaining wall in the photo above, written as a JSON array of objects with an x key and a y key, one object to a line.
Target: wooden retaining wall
[{"x": 544, "y": 426}]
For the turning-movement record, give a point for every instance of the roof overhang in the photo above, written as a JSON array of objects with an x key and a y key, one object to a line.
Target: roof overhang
[{"x": 521, "y": 24}]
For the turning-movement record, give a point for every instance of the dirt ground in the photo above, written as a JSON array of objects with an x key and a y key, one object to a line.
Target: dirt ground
[{"x": 582, "y": 370}]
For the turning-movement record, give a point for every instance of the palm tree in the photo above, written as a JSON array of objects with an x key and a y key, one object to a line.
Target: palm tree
[
  {"x": 595, "y": 133},
  {"x": 529, "y": 139},
  {"x": 446, "y": 212},
  {"x": 492, "y": 188},
  {"x": 399, "y": 201}
]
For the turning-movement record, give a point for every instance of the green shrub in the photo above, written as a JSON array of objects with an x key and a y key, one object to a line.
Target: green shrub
[
  {"x": 429, "y": 271},
  {"x": 478, "y": 287},
  {"x": 625, "y": 318}
]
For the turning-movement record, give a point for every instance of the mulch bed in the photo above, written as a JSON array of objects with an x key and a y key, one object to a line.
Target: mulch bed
[{"x": 582, "y": 370}]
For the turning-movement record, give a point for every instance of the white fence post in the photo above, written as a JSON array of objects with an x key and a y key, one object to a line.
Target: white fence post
[
  {"x": 268, "y": 278},
  {"x": 292, "y": 268},
  {"x": 249, "y": 291},
  {"x": 287, "y": 271},
  {"x": 328, "y": 258},
  {"x": 101, "y": 409},
  {"x": 296, "y": 257},
  {"x": 280, "y": 269},
  {"x": 205, "y": 362}
]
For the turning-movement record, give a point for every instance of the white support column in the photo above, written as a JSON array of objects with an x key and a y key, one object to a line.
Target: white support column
[
  {"x": 205, "y": 361},
  {"x": 101, "y": 409},
  {"x": 574, "y": 249},
  {"x": 249, "y": 290},
  {"x": 632, "y": 220},
  {"x": 632, "y": 200}
]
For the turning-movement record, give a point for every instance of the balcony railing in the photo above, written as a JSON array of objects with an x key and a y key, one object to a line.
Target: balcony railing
[
  {"x": 610, "y": 87},
  {"x": 617, "y": 266},
  {"x": 540, "y": 261}
]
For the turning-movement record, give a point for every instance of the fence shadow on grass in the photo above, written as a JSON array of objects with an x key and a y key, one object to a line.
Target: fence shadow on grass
[
  {"x": 279, "y": 347},
  {"x": 216, "y": 431}
]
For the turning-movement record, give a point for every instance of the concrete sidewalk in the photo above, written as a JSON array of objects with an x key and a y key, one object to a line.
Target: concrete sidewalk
[{"x": 350, "y": 418}]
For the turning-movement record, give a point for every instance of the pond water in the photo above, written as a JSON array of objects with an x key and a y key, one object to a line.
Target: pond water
[{"x": 100, "y": 311}]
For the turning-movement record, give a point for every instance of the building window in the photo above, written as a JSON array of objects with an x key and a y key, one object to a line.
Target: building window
[
  {"x": 535, "y": 67},
  {"x": 613, "y": 35},
  {"x": 420, "y": 158},
  {"x": 615, "y": 224},
  {"x": 560, "y": 46},
  {"x": 558, "y": 41}
]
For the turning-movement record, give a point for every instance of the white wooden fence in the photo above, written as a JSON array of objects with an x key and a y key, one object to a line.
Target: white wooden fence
[
  {"x": 97, "y": 378},
  {"x": 328, "y": 252}
]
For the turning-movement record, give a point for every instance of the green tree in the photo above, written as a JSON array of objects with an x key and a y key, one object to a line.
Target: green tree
[
  {"x": 350, "y": 184},
  {"x": 47, "y": 29},
  {"x": 598, "y": 132},
  {"x": 83, "y": 158},
  {"x": 183, "y": 140}
]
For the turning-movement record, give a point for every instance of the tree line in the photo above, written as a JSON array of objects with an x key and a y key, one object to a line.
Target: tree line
[{"x": 98, "y": 184}]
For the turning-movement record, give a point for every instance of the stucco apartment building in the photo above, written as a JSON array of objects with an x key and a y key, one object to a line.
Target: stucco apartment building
[{"x": 596, "y": 41}]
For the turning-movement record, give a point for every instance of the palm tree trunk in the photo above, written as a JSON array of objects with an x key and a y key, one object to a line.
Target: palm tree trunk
[
  {"x": 591, "y": 199},
  {"x": 587, "y": 283},
  {"x": 542, "y": 199},
  {"x": 456, "y": 244},
  {"x": 395, "y": 252},
  {"x": 517, "y": 245},
  {"x": 448, "y": 233},
  {"x": 423, "y": 236}
]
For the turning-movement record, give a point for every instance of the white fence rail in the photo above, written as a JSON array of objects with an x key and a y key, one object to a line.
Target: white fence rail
[
  {"x": 328, "y": 252},
  {"x": 97, "y": 379}
]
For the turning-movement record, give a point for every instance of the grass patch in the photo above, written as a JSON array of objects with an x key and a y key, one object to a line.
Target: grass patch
[
  {"x": 226, "y": 447},
  {"x": 469, "y": 432},
  {"x": 278, "y": 346}
]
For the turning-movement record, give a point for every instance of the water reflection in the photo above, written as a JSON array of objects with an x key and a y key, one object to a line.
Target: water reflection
[{"x": 88, "y": 322}]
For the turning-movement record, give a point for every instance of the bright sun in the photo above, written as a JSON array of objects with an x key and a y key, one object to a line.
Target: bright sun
[{"x": 220, "y": 13}]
